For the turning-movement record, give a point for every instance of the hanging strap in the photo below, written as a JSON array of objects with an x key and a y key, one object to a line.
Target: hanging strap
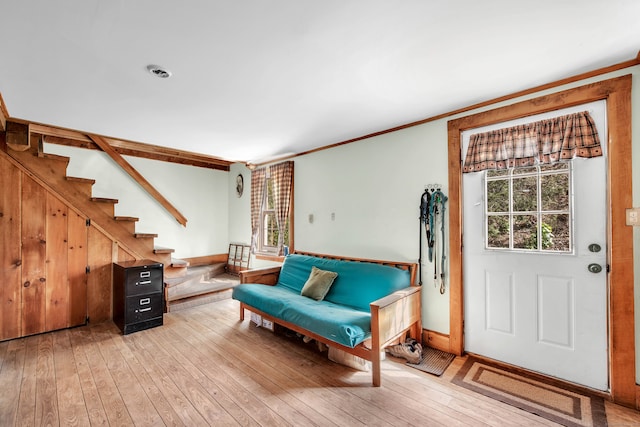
[
  {"x": 437, "y": 213},
  {"x": 425, "y": 200},
  {"x": 430, "y": 229},
  {"x": 442, "y": 259}
]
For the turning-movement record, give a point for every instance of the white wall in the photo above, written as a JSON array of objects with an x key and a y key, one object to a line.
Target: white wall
[
  {"x": 374, "y": 187},
  {"x": 200, "y": 194},
  {"x": 240, "y": 207}
]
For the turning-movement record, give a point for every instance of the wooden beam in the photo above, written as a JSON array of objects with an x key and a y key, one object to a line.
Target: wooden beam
[
  {"x": 18, "y": 135},
  {"x": 107, "y": 148},
  {"x": 149, "y": 150},
  {"x": 4, "y": 115},
  {"x": 61, "y": 136},
  {"x": 59, "y": 132}
]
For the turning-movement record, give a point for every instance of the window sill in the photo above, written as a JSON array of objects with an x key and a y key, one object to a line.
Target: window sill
[{"x": 269, "y": 257}]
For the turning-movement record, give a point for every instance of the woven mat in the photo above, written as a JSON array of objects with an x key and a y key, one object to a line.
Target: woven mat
[
  {"x": 568, "y": 407},
  {"x": 433, "y": 361}
]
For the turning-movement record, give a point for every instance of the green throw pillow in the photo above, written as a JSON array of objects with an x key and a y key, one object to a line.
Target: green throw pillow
[{"x": 318, "y": 283}]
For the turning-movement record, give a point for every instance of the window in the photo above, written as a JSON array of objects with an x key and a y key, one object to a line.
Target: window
[
  {"x": 271, "y": 201},
  {"x": 270, "y": 233},
  {"x": 529, "y": 209}
]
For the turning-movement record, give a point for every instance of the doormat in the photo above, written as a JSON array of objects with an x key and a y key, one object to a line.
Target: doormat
[
  {"x": 433, "y": 361},
  {"x": 568, "y": 407}
]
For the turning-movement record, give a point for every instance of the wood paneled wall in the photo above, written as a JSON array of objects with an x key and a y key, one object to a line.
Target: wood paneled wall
[{"x": 45, "y": 250}]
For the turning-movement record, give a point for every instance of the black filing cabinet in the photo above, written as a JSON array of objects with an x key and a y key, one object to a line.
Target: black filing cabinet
[{"x": 138, "y": 295}]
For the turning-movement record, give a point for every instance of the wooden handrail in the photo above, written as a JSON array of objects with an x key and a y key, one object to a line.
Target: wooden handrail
[{"x": 107, "y": 148}]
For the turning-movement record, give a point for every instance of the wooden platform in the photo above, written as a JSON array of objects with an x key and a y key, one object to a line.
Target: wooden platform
[{"x": 200, "y": 285}]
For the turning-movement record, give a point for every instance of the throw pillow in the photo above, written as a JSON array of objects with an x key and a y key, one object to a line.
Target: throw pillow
[{"x": 318, "y": 283}]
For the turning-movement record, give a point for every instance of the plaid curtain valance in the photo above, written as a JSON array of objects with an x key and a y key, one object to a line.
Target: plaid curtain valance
[{"x": 541, "y": 142}]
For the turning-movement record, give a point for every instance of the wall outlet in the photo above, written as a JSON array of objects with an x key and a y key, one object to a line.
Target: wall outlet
[
  {"x": 633, "y": 217},
  {"x": 267, "y": 324}
]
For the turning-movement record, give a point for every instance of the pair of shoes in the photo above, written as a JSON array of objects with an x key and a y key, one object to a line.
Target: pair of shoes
[
  {"x": 413, "y": 354},
  {"x": 414, "y": 344}
]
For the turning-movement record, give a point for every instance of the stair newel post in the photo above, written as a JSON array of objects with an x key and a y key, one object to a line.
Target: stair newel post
[{"x": 18, "y": 135}]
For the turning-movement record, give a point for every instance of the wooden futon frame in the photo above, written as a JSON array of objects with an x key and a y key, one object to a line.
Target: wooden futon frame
[{"x": 392, "y": 316}]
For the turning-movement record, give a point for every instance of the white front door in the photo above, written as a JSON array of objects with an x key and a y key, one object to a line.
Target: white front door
[{"x": 542, "y": 311}]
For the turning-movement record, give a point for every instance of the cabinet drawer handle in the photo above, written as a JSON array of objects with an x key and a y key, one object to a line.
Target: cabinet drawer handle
[
  {"x": 144, "y": 282},
  {"x": 142, "y": 310},
  {"x": 145, "y": 301},
  {"x": 145, "y": 274}
]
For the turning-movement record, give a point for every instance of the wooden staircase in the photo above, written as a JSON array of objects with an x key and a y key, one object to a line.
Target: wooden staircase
[
  {"x": 61, "y": 241},
  {"x": 50, "y": 171},
  {"x": 185, "y": 285}
]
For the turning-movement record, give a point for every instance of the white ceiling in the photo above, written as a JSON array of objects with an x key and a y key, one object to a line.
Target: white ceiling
[{"x": 254, "y": 79}]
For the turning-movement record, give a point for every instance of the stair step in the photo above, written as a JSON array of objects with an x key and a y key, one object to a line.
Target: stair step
[
  {"x": 55, "y": 157},
  {"x": 176, "y": 268},
  {"x": 128, "y": 222},
  {"x": 126, "y": 218},
  {"x": 175, "y": 262},
  {"x": 196, "y": 274},
  {"x": 215, "y": 284},
  {"x": 58, "y": 164},
  {"x": 145, "y": 235},
  {"x": 107, "y": 205},
  {"x": 83, "y": 184},
  {"x": 104, "y": 200},
  {"x": 198, "y": 300},
  {"x": 204, "y": 285},
  {"x": 81, "y": 180},
  {"x": 160, "y": 250}
]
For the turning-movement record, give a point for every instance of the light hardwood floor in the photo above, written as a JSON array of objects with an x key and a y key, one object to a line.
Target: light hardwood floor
[{"x": 204, "y": 367}]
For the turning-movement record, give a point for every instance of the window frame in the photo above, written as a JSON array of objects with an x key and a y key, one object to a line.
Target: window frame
[
  {"x": 539, "y": 212},
  {"x": 264, "y": 251}
]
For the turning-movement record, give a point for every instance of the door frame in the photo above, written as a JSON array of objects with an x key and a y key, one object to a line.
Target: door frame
[{"x": 617, "y": 93}]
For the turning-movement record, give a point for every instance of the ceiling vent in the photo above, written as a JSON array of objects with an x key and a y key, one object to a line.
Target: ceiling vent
[{"x": 159, "y": 71}]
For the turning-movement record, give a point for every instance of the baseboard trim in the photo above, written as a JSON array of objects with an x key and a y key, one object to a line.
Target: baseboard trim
[{"x": 436, "y": 340}]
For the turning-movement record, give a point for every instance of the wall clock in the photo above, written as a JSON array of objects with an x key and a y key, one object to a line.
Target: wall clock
[{"x": 239, "y": 185}]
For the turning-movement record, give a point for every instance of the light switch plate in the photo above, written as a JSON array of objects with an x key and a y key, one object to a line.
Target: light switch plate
[{"x": 633, "y": 217}]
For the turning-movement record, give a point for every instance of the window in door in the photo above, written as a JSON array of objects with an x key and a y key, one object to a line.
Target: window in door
[{"x": 529, "y": 209}]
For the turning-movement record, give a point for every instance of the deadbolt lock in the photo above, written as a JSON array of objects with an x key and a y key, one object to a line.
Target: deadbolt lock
[
  {"x": 594, "y": 268},
  {"x": 594, "y": 247}
]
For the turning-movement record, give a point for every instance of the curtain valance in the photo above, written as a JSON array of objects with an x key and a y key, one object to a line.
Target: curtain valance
[{"x": 541, "y": 142}]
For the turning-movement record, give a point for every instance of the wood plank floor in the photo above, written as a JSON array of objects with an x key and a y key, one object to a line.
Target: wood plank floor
[{"x": 204, "y": 367}]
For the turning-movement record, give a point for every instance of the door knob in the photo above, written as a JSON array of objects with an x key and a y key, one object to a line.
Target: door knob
[{"x": 594, "y": 268}]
